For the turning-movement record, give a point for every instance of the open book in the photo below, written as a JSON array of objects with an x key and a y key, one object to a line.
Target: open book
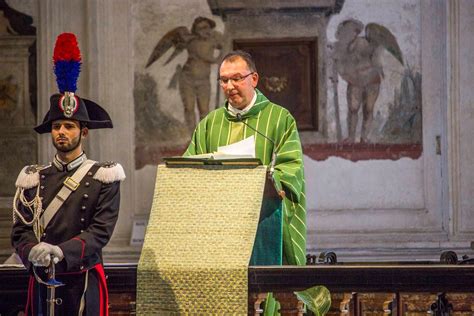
[
  {"x": 212, "y": 159},
  {"x": 242, "y": 152},
  {"x": 220, "y": 155}
]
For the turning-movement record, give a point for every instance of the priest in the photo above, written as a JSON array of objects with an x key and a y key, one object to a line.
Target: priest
[{"x": 248, "y": 113}]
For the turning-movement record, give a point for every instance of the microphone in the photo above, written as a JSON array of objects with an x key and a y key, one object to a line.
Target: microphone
[{"x": 274, "y": 155}]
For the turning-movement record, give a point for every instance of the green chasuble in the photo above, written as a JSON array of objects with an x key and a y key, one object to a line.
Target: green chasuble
[{"x": 220, "y": 128}]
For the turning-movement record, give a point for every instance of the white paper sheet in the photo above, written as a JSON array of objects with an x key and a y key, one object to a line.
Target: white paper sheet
[{"x": 244, "y": 147}]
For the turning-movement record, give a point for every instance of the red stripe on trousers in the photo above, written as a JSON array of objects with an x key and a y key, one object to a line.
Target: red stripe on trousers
[
  {"x": 103, "y": 293},
  {"x": 29, "y": 296}
]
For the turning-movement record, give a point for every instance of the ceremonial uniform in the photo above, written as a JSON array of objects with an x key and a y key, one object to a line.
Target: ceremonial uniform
[
  {"x": 81, "y": 228},
  {"x": 65, "y": 213}
]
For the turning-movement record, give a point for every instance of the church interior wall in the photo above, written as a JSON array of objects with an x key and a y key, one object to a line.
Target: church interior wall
[{"x": 398, "y": 197}]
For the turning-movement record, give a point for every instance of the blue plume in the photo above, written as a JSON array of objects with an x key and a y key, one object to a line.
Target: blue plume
[{"x": 67, "y": 74}]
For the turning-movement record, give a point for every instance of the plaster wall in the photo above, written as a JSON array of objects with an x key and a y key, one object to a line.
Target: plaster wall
[{"x": 366, "y": 210}]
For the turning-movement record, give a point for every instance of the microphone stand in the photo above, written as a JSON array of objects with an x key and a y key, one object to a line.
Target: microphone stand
[{"x": 274, "y": 154}]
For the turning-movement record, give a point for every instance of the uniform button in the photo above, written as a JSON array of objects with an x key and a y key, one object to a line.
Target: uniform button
[
  {"x": 43, "y": 176},
  {"x": 44, "y": 234},
  {"x": 87, "y": 184},
  {"x": 89, "y": 173},
  {"x": 82, "y": 230},
  {"x": 81, "y": 267},
  {"x": 42, "y": 187},
  {"x": 83, "y": 207},
  {"x": 41, "y": 198},
  {"x": 86, "y": 196},
  {"x": 46, "y": 270},
  {"x": 82, "y": 219}
]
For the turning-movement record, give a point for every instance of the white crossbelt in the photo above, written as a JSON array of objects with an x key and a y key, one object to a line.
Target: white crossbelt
[{"x": 69, "y": 185}]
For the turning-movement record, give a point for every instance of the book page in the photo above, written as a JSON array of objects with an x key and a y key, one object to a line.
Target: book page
[
  {"x": 200, "y": 156},
  {"x": 244, "y": 148}
]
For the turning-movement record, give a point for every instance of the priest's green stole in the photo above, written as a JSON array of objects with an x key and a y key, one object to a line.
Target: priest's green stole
[{"x": 199, "y": 240}]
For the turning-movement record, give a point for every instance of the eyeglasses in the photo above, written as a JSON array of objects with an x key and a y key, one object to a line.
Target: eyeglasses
[{"x": 234, "y": 80}]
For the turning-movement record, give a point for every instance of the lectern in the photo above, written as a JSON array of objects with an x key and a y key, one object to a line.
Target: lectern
[{"x": 202, "y": 236}]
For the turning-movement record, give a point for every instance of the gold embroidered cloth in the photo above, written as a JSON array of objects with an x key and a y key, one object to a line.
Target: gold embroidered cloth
[{"x": 199, "y": 240}]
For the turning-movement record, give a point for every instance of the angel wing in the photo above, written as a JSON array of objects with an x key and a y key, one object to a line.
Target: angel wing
[
  {"x": 378, "y": 35},
  {"x": 177, "y": 37}
]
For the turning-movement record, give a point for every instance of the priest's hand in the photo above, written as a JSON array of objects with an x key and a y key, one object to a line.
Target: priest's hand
[{"x": 40, "y": 255}]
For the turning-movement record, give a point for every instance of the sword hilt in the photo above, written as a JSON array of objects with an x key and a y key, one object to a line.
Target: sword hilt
[{"x": 51, "y": 282}]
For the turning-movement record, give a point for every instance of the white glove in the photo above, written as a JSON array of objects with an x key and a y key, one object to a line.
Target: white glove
[{"x": 40, "y": 254}]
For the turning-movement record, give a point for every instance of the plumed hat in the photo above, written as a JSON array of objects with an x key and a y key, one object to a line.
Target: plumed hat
[{"x": 66, "y": 104}]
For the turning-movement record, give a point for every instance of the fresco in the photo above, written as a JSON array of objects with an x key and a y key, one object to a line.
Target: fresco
[
  {"x": 374, "y": 85},
  {"x": 177, "y": 52},
  {"x": 370, "y": 74},
  {"x": 358, "y": 63},
  {"x": 193, "y": 78}
]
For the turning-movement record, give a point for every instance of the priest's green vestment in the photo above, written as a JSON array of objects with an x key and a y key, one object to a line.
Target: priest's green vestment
[{"x": 220, "y": 128}]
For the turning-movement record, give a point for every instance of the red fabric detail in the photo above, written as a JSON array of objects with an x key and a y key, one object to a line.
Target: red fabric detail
[
  {"x": 83, "y": 245},
  {"x": 29, "y": 297},
  {"x": 66, "y": 48},
  {"x": 103, "y": 293}
]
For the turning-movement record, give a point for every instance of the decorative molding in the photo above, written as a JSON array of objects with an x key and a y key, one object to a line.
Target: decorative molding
[
  {"x": 434, "y": 98},
  {"x": 225, "y": 8},
  {"x": 47, "y": 16},
  {"x": 362, "y": 151},
  {"x": 453, "y": 121}
]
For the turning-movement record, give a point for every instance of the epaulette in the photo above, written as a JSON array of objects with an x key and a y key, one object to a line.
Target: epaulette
[
  {"x": 29, "y": 176},
  {"x": 109, "y": 172}
]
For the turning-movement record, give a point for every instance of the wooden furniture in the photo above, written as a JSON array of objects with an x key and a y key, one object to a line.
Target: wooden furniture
[{"x": 356, "y": 289}]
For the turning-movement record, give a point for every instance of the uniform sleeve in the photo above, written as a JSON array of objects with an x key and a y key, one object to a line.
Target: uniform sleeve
[
  {"x": 23, "y": 237},
  {"x": 289, "y": 172},
  {"x": 100, "y": 230}
]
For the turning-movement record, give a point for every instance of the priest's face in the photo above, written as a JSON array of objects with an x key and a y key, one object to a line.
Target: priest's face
[{"x": 238, "y": 82}]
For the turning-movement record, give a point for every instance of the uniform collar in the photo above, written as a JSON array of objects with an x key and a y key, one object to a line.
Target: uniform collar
[{"x": 62, "y": 166}]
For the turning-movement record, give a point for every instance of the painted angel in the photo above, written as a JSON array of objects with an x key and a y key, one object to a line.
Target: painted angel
[
  {"x": 358, "y": 62},
  {"x": 194, "y": 77}
]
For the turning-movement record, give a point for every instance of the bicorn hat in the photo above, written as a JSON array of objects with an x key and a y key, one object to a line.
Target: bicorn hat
[{"x": 66, "y": 105}]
